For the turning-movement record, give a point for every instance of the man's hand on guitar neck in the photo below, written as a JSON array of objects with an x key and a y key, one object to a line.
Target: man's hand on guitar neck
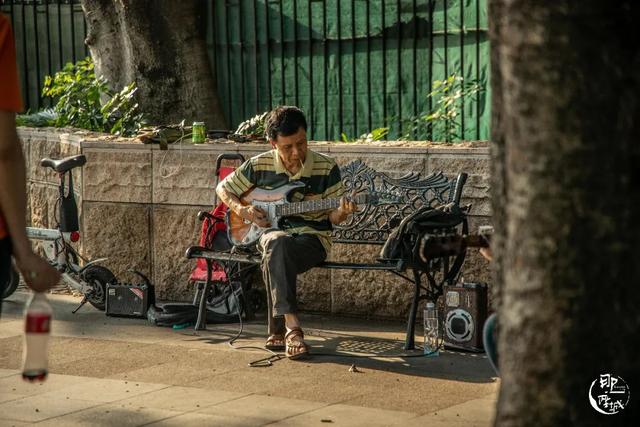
[{"x": 347, "y": 207}]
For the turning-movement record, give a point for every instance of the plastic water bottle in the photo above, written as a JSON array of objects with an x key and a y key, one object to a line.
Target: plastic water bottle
[
  {"x": 431, "y": 331},
  {"x": 36, "y": 338}
]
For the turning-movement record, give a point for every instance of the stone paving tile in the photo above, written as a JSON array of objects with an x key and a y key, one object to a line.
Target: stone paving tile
[
  {"x": 12, "y": 423},
  {"x": 188, "y": 366},
  {"x": 103, "y": 390},
  {"x": 259, "y": 409},
  {"x": 422, "y": 422},
  {"x": 199, "y": 420},
  {"x": 116, "y": 415},
  {"x": 15, "y": 384},
  {"x": 287, "y": 379},
  {"x": 410, "y": 393},
  {"x": 40, "y": 407},
  {"x": 347, "y": 415},
  {"x": 110, "y": 332},
  {"x": 6, "y": 397},
  {"x": 181, "y": 398},
  {"x": 11, "y": 328},
  {"x": 174, "y": 373},
  {"x": 477, "y": 412},
  {"x": 8, "y": 372}
]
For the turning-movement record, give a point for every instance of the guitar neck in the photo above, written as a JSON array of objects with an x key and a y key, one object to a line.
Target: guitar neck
[
  {"x": 315, "y": 205},
  {"x": 432, "y": 247}
]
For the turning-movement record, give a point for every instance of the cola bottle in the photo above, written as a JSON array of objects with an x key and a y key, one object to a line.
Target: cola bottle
[{"x": 36, "y": 338}]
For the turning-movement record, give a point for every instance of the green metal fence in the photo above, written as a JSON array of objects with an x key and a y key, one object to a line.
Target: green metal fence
[
  {"x": 48, "y": 35},
  {"x": 351, "y": 65}
]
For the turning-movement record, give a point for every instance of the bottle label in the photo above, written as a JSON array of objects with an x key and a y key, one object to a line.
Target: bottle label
[{"x": 38, "y": 323}]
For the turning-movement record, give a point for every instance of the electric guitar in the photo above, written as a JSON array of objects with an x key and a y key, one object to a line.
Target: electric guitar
[{"x": 276, "y": 204}]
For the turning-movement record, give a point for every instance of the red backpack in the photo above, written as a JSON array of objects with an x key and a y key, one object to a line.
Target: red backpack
[{"x": 213, "y": 235}]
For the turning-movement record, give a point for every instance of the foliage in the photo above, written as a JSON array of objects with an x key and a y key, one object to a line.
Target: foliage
[
  {"x": 46, "y": 117},
  {"x": 375, "y": 135},
  {"x": 121, "y": 113},
  {"x": 255, "y": 126},
  {"x": 86, "y": 101},
  {"x": 444, "y": 119}
]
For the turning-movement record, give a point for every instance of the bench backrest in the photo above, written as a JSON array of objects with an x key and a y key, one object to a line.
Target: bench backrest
[{"x": 409, "y": 192}]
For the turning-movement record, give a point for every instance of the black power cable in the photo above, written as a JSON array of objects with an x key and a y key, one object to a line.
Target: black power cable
[{"x": 268, "y": 361}]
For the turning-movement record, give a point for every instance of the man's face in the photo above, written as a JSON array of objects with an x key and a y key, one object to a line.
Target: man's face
[{"x": 292, "y": 149}]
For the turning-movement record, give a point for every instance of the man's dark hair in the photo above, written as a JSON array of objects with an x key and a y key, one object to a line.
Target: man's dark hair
[{"x": 284, "y": 121}]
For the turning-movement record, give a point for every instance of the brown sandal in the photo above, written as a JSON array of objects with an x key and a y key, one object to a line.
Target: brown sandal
[
  {"x": 296, "y": 347},
  {"x": 275, "y": 342}
]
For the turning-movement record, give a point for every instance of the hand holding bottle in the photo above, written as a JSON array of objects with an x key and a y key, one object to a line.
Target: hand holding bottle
[{"x": 36, "y": 338}]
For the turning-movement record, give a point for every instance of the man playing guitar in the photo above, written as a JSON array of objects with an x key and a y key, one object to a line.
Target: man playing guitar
[{"x": 300, "y": 241}]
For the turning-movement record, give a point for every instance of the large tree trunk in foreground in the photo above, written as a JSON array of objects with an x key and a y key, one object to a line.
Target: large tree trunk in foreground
[
  {"x": 566, "y": 122},
  {"x": 160, "y": 45}
]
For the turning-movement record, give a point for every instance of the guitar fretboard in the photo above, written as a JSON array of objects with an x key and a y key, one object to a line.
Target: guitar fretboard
[{"x": 314, "y": 205}]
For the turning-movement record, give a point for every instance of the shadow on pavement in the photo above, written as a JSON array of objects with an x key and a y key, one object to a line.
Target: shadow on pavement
[{"x": 333, "y": 341}]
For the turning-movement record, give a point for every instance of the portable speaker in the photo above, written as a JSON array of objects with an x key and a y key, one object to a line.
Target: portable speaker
[
  {"x": 127, "y": 300},
  {"x": 464, "y": 314}
]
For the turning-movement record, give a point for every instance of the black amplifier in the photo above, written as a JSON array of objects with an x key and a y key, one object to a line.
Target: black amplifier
[
  {"x": 464, "y": 313},
  {"x": 127, "y": 300}
]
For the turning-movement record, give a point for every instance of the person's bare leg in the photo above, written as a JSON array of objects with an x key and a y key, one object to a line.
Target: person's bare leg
[{"x": 291, "y": 321}]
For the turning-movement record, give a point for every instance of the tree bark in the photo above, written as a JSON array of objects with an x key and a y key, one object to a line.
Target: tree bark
[
  {"x": 159, "y": 44},
  {"x": 566, "y": 104}
]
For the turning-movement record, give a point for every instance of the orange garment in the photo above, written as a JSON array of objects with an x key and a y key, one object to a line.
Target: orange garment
[{"x": 9, "y": 86}]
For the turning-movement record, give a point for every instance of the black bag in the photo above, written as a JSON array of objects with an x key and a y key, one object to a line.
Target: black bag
[
  {"x": 171, "y": 314},
  {"x": 221, "y": 308},
  {"x": 403, "y": 240}
]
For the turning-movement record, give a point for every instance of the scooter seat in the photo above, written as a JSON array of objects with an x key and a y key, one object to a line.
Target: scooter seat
[{"x": 63, "y": 165}]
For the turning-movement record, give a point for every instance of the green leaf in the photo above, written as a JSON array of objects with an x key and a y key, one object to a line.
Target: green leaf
[{"x": 82, "y": 99}]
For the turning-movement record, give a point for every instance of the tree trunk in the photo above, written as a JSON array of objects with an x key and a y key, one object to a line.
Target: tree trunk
[
  {"x": 566, "y": 104},
  {"x": 159, "y": 44}
]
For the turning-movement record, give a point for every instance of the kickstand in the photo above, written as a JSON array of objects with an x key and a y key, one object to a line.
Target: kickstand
[{"x": 83, "y": 302}]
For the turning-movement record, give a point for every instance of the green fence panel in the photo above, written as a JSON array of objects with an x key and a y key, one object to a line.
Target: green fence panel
[
  {"x": 351, "y": 65},
  {"x": 48, "y": 35}
]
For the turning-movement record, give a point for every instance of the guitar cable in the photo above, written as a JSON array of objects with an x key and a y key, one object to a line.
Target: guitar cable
[
  {"x": 274, "y": 357},
  {"x": 264, "y": 362}
]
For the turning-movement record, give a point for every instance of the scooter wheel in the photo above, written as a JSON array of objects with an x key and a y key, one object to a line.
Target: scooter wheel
[
  {"x": 11, "y": 286},
  {"x": 98, "y": 277}
]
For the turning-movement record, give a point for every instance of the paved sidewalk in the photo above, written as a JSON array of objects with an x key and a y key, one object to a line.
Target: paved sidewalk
[{"x": 125, "y": 372}]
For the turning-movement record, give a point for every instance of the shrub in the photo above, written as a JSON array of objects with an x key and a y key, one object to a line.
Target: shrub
[
  {"x": 375, "y": 135},
  {"x": 85, "y": 101},
  {"x": 444, "y": 118}
]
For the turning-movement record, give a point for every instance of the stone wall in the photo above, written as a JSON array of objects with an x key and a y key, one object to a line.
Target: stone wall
[{"x": 138, "y": 207}]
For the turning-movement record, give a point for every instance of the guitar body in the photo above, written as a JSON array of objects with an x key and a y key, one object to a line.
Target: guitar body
[{"x": 246, "y": 233}]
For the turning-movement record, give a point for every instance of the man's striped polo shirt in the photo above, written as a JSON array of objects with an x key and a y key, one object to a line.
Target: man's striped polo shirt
[{"x": 320, "y": 174}]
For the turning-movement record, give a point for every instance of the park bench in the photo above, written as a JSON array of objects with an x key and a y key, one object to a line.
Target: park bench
[{"x": 373, "y": 225}]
